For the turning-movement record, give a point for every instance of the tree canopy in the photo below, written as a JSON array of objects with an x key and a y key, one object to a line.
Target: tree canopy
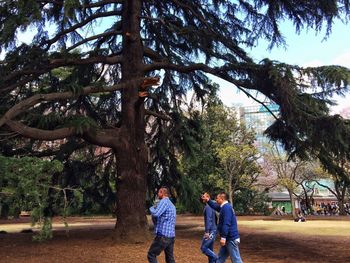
[{"x": 87, "y": 73}]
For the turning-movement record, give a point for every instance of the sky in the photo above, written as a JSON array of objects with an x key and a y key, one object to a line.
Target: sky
[{"x": 305, "y": 49}]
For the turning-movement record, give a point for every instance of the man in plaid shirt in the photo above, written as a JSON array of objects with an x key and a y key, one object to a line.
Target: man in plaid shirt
[{"x": 164, "y": 218}]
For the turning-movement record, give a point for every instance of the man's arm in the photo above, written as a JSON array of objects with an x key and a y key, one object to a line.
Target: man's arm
[
  {"x": 161, "y": 207},
  {"x": 214, "y": 205}
]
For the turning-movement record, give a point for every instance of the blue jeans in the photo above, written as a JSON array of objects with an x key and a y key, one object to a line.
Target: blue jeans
[
  {"x": 207, "y": 247},
  {"x": 230, "y": 249}
]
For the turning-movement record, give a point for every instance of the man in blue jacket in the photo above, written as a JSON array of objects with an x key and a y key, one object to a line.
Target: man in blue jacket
[
  {"x": 209, "y": 234},
  {"x": 227, "y": 228},
  {"x": 164, "y": 219}
]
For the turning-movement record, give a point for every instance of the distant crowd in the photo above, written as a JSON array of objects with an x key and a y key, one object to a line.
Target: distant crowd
[{"x": 327, "y": 209}]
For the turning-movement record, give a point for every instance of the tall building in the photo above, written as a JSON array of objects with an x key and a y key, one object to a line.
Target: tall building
[{"x": 259, "y": 118}]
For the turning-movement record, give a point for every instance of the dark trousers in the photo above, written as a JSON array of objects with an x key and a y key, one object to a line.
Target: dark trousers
[{"x": 158, "y": 245}]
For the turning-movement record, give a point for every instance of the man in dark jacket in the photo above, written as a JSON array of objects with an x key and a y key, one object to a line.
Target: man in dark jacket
[
  {"x": 227, "y": 228},
  {"x": 209, "y": 234}
]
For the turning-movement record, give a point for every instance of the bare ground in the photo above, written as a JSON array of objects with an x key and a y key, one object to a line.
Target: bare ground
[{"x": 89, "y": 241}]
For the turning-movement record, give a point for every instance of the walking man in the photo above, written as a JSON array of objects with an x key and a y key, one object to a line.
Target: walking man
[
  {"x": 227, "y": 228},
  {"x": 209, "y": 234},
  {"x": 164, "y": 219}
]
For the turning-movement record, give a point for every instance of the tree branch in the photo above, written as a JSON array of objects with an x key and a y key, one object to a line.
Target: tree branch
[
  {"x": 327, "y": 187},
  {"x": 105, "y": 34},
  {"x": 27, "y": 103},
  {"x": 81, "y": 24},
  {"x": 61, "y": 62},
  {"x": 39, "y": 134},
  {"x": 104, "y": 138},
  {"x": 158, "y": 115},
  {"x": 101, "y": 3},
  {"x": 150, "y": 53},
  {"x": 220, "y": 72}
]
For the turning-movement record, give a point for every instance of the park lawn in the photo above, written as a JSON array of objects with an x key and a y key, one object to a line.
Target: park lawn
[
  {"x": 311, "y": 227},
  {"x": 262, "y": 240},
  {"x": 58, "y": 224}
]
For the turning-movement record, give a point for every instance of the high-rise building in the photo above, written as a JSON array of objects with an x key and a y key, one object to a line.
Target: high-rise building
[{"x": 259, "y": 118}]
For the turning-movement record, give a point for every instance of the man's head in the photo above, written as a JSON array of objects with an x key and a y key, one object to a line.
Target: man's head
[
  {"x": 221, "y": 198},
  {"x": 163, "y": 192},
  {"x": 204, "y": 198}
]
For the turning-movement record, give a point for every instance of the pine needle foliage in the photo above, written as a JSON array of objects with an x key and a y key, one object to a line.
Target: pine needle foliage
[{"x": 111, "y": 45}]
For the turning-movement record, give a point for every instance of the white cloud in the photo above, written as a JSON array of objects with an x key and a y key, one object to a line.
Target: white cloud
[
  {"x": 342, "y": 59},
  {"x": 313, "y": 63}
]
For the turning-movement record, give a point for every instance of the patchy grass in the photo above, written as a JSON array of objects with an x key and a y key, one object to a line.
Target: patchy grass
[
  {"x": 263, "y": 239},
  {"x": 312, "y": 227}
]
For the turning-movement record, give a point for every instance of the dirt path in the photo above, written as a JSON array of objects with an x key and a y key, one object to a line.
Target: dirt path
[{"x": 90, "y": 242}]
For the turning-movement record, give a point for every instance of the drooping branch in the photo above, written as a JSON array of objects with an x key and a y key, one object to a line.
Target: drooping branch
[
  {"x": 112, "y": 59},
  {"x": 194, "y": 13},
  {"x": 61, "y": 62},
  {"x": 102, "y": 3},
  {"x": 30, "y": 102},
  {"x": 84, "y": 5},
  {"x": 64, "y": 149},
  {"x": 105, "y": 34},
  {"x": 327, "y": 187},
  {"x": 199, "y": 13},
  {"x": 81, "y": 24},
  {"x": 39, "y": 134},
  {"x": 220, "y": 72},
  {"x": 104, "y": 137},
  {"x": 150, "y": 53}
]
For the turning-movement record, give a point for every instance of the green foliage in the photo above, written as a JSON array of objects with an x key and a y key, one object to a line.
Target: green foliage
[
  {"x": 26, "y": 183},
  {"x": 223, "y": 156},
  {"x": 191, "y": 191},
  {"x": 45, "y": 232},
  {"x": 96, "y": 180},
  {"x": 76, "y": 45},
  {"x": 17, "y": 15},
  {"x": 70, "y": 8},
  {"x": 251, "y": 202},
  {"x": 81, "y": 123}
]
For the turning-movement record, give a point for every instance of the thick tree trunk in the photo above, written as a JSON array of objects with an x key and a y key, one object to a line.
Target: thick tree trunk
[
  {"x": 132, "y": 152},
  {"x": 131, "y": 222},
  {"x": 5, "y": 209}
]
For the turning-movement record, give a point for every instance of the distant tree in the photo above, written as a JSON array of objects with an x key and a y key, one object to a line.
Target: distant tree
[
  {"x": 115, "y": 49},
  {"x": 223, "y": 156},
  {"x": 25, "y": 184},
  {"x": 285, "y": 173},
  {"x": 237, "y": 153},
  {"x": 199, "y": 164},
  {"x": 341, "y": 186}
]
